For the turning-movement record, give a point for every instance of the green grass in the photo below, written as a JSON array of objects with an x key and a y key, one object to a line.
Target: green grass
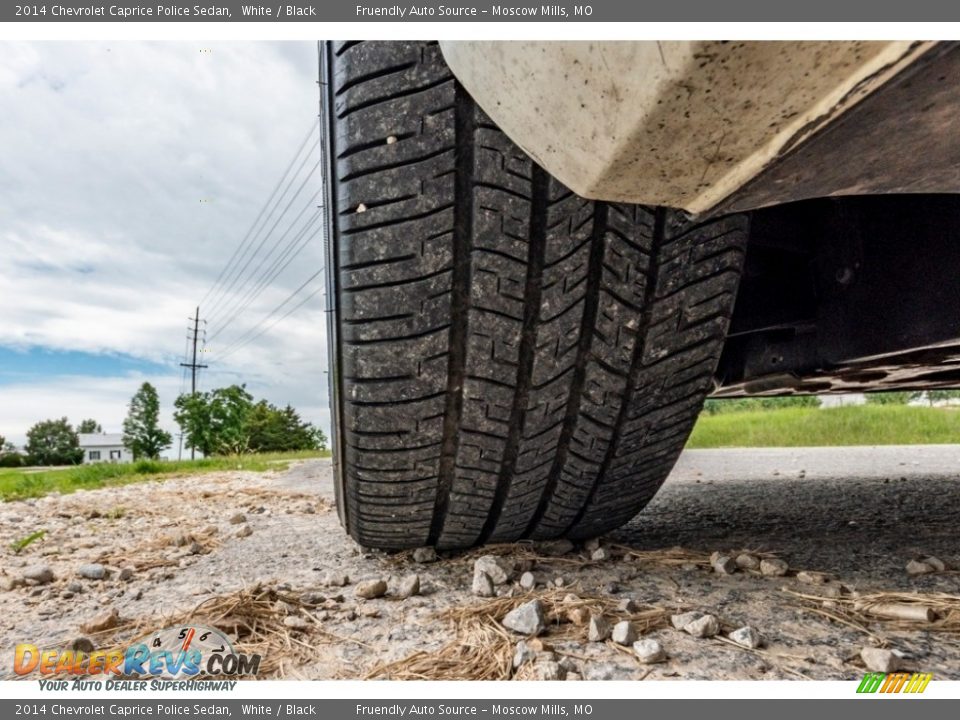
[
  {"x": 16, "y": 484},
  {"x": 813, "y": 427}
]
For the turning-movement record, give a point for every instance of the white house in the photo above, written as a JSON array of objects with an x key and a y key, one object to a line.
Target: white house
[{"x": 104, "y": 447}]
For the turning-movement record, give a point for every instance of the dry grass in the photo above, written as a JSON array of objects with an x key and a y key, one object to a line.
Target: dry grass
[
  {"x": 253, "y": 618},
  {"x": 481, "y": 649},
  {"x": 153, "y": 552},
  {"x": 936, "y": 612}
]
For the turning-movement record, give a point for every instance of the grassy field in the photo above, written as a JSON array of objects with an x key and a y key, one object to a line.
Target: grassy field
[
  {"x": 16, "y": 484},
  {"x": 811, "y": 427}
]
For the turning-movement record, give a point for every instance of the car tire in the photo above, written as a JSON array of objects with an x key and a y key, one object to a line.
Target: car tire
[{"x": 508, "y": 360}]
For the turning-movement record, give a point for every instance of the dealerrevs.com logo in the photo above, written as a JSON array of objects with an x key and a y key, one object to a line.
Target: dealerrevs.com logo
[
  {"x": 910, "y": 683},
  {"x": 174, "y": 653}
]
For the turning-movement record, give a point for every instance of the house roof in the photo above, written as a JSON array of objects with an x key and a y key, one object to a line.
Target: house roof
[{"x": 88, "y": 440}]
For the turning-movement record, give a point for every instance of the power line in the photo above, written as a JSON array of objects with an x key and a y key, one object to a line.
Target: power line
[
  {"x": 193, "y": 365},
  {"x": 240, "y": 340},
  {"x": 279, "y": 264},
  {"x": 249, "y": 258},
  {"x": 250, "y": 230},
  {"x": 275, "y": 322}
]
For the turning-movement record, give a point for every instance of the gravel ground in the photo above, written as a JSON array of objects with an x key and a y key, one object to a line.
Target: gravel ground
[{"x": 856, "y": 515}]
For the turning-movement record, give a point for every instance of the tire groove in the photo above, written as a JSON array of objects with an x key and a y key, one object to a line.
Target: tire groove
[
  {"x": 536, "y": 250},
  {"x": 459, "y": 307},
  {"x": 649, "y": 293},
  {"x": 587, "y": 322}
]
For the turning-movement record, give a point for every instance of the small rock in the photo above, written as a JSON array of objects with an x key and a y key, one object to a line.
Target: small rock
[
  {"x": 578, "y": 616},
  {"x": 370, "y": 589},
  {"x": 361, "y": 208},
  {"x": 295, "y": 622},
  {"x": 238, "y": 518},
  {"x": 916, "y": 567},
  {"x": 592, "y": 544},
  {"x": 559, "y": 582},
  {"x": 9, "y": 583},
  {"x": 527, "y": 619},
  {"x": 600, "y": 554},
  {"x": 880, "y": 660},
  {"x": 936, "y": 563},
  {"x": 773, "y": 567},
  {"x": 725, "y": 565},
  {"x": 312, "y": 597},
  {"x": 548, "y": 670},
  {"x": 370, "y": 611},
  {"x": 681, "y": 620},
  {"x": 104, "y": 621},
  {"x": 425, "y": 555},
  {"x": 195, "y": 548},
  {"x": 599, "y": 629},
  {"x": 92, "y": 571},
  {"x": 499, "y": 569},
  {"x": 82, "y": 644},
  {"x": 554, "y": 548},
  {"x": 623, "y": 633},
  {"x": 627, "y": 605},
  {"x": 539, "y": 645},
  {"x": 408, "y": 587},
  {"x": 523, "y": 654},
  {"x": 482, "y": 585},
  {"x": 336, "y": 579},
  {"x": 391, "y": 139},
  {"x": 38, "y": 574},
  {"x": 611, "y": 588},
  {"x": 703, "y": 627},
  {"x": 747, "y": 561},
  {"x": 74, "y": 587},
  {"x": 245, "y": 531},
  {"x": 66, "y": 594},
  {"x": 528, "y": 581},
  {"x": 649, "y": 651},
  {"x": 746, "y": 637},
  {"x": 811, "y": 578},
  {"x": 125, "y": 574}
]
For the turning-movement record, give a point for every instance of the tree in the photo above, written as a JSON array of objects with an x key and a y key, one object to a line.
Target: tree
[
  {"x": 53, "y": 442},
  {"x": 229, "y": 408},
  {"x": 193, "y": 416},
  {"x": 142, "y": 433},
  {"x": 270, "y": 429},
  {"x": 215, "y": 423},
  {"x": 319, "y": 439},
  {"x": 891, "y": 398},
  {"x": 935, "y": 396},
  {"x": 9, "y": 457},
  {"x": 89, "y": 426}
]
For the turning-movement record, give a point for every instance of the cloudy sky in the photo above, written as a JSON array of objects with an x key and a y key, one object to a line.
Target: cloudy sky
[{"x": 131, "y": 174}]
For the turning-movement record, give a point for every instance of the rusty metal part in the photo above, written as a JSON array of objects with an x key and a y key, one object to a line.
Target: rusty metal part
[{"x": 901, "y": 139}]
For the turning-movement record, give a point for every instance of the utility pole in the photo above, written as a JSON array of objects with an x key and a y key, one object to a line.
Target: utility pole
[{"x": 193, "y": 365}]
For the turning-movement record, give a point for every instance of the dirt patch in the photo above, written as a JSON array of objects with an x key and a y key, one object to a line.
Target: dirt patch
[{"x": 262, "y": 557}]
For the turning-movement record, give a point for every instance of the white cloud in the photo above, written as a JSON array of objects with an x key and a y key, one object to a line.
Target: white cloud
[{"x": 130, "y": 173}]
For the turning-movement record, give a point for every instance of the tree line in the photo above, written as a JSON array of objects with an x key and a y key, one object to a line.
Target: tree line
[{"x": 224, "y": 421}]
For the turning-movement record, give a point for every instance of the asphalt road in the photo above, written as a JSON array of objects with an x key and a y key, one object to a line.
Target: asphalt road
[{"x": 858, "y": 512}]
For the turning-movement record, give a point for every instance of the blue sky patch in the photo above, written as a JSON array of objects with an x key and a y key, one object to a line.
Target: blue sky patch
[{"x": 19, "y": 365}]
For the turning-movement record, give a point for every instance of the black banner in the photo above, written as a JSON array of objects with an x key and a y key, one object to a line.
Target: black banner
[{"x": 476, "y": 11}]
